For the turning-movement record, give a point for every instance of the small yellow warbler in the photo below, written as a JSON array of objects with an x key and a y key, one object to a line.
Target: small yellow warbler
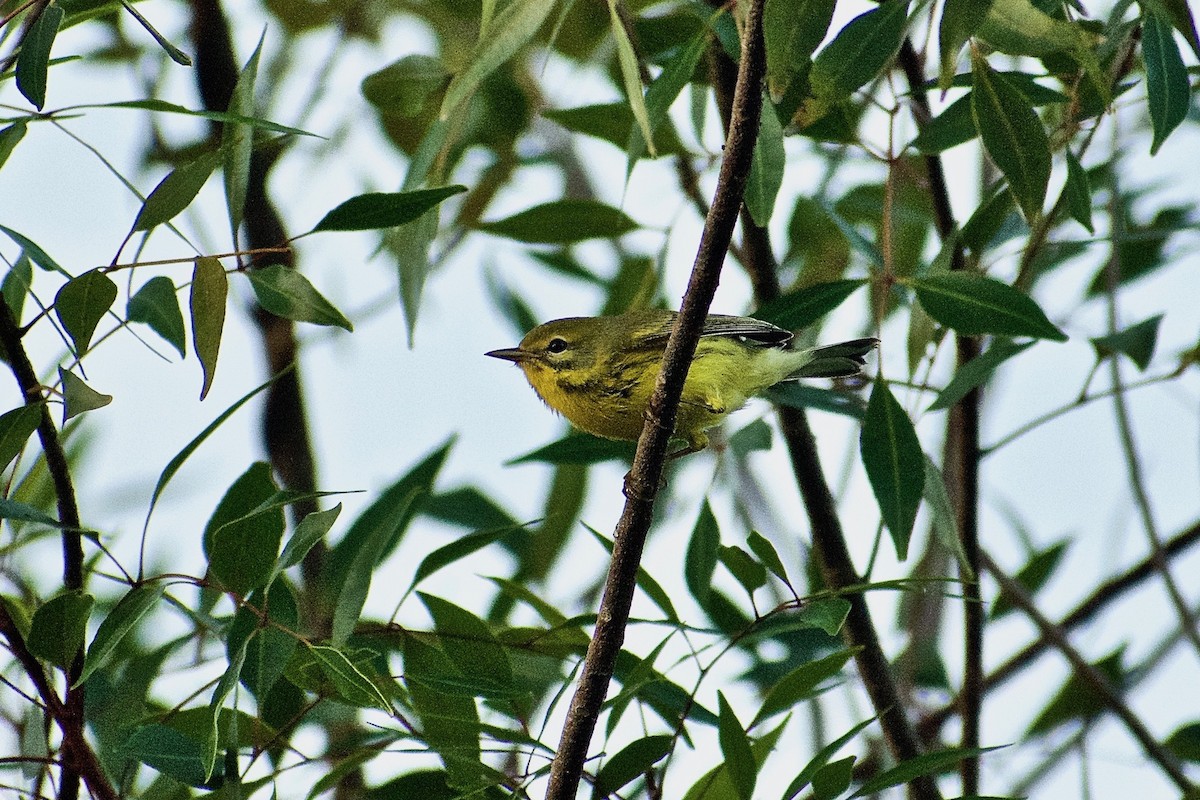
[{"x": 599, "y": 372}]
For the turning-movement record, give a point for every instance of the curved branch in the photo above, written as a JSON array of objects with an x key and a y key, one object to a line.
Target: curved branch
[{"x": 641, "y": 485}]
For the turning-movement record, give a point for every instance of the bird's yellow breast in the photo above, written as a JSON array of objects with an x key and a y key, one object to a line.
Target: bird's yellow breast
[{"x": 610, "y": 399}]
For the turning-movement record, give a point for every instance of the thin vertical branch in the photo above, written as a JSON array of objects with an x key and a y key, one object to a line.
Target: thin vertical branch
[
  {"x": 963, "y": 431},
  {"x": 641, "y": 485}
]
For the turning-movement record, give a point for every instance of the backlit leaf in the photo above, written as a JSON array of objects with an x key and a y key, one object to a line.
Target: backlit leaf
[
  {"x": 376, "y": 210},
  {"x": 125, "y": 617},
  {"x": 176, "y": 191},
  {"x": 16, "y": 427},
  {"x": 59, "y": 627},
  {"x": 78, "y": 397},
  {"x": 286, "y": 293},
  {"x": 792, "y": 31},
  {"x": 1167, "y": 86},
  {"x": 1137, "y": 341},
  {"x": 33, "y": 59},
  {"x": 563, "y": 222},
  {"x": 975, "y": 305},
  {"x": 895, "y": 464},
  {"x": 157, "y": 305},
  {"x": 803, "y": 307},
  {"x": 81, "y": 303},
  {"x": 210, "y": 289},
  {"x": 237, "y": 142}
]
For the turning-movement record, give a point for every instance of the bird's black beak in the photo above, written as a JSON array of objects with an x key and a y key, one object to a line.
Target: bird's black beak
[{"x": 514, "y": 354}]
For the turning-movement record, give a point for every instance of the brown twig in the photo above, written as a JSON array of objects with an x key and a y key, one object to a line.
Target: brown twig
[
  {"x": 641, "y": 485},
  {"x": 1096, "y": 680}
]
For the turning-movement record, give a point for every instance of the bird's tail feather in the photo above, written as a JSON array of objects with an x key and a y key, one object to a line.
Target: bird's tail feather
[{"x": 837, "y": 360}]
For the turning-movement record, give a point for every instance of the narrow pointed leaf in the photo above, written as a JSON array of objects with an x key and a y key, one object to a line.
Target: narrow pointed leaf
[
  {"x": 701, "y": 560},
  {"x": 237, "y": 141},
  {"x": 960, "y": 19},
  {"x": 660, "y": 95},
  {"x": 766, "y": 170},
  {"x": 977, "y": 371},
  {"x": 176, "y": 191},
  {"x": 286, "y": 293},
  {"x": 311, "y": 530},
  {"x": 33, "y": 59},
  {"x": 10, "y": 137},
  {"x": 563, "y": 222},
  {"x": 735, "y": 746},
  {"x": 1078, "y": 192},
  {"x": 16, "y": 427},
  {"x": 792, "y": 31},
  {"x": 59, "y": 627},
  {"x": 859, "y": 51},
  {"x": 631, "y": 762},
  {"x": 928, "y": 764},
  {"x": 210, "y": 290},
  {"x": 175, "y": 54},
  {"x": 81, "y": 303},
  {"x": 124, "y": 618},
  {"x": 805, "y": 776},
  {"x": 895, "y": 464},
  {"x": 803, "y": 683},
  {"x": 630, "y": 76},
  {"x": 1167, "y": 86},
  {"x": 78, "y": 397},
  {"x": 976, "y": 305},
  {"x": 377, "y": 210},
  {"x": 157, "y": 304},
  {"x": 803, "y": 307},
  {"x": 351, "y": 682},
  {"x": 508, "y": 32},
  {"x": 1012, "y": 134}
]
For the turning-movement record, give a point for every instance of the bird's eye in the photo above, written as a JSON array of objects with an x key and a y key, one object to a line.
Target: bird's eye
[{"x": 556, "y": 346}]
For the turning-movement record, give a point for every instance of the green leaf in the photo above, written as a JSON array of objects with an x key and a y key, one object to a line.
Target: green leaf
[
  {"x": 563, "y": 222},
  {"x": 803, "y": 396},
  {"x": 660, "y": 96},
  {"x": 311, "y": 530},
  {"x": 1078, "y": 699},
  {"x": 376, "y": 210},
  {"x": 645, "y": 580},
  {"x": 270, "y": 650},
  {"x": 237, "y": 143},
  {"x": 927, "y": 764},
  {"x": 81, "y": 303},
  {"x": 767, "y": 554},
  {"x": 172, "y": 753},
  {"x": 124, "y": 618},
  {"x": 803, "y": 307},
  {"x": 1181, "y": 17},
  {"x": 162, "y": 106},
  {"x": 612, "y": 122},
  {"x": 1184, "y": 742},
  {"x": 460, "y": 548},
  {"x": 243, "y": 534},
  {"x": 370, "y": 539},
  {"x": 176, "y": 191},
  {"x": 78, "y": 397},
  {"x": 792, "y": 31},
  {"x": 977, "y": 371},
  {"x": 33, "y": 59},
  {"x": 1078, "y": 192},
  {"x": 175, "y": 54},
  {"x": 803, "y": 683},
  {"x": 952, "y": 127},
  {"x": 405, "y": 86},
  {"x": 16, "y": 284},
  {"x": 805, "y": 776},
  {"x": 1012, "y": 134},
  {"x": 156, "y": 304},
  {"x": 755, "y": 437},
  {"x": 833, "y": 779},
  {"x": 183, "y": 455},
  {"x": 630, "y": 77},
  {"x": 735, "y": 746},
  {"x": 508, "y": 32},
  {"x": 286, "y": 293},
  {"x": 13, "y": 509},
  {"x": 16, "y": 427},
  {"x": 210, "y": 290},
  {"x": 35, "y": 253},
  {"x": 960, "y": 19},
  {"x": 895, "y": 464},
  {"x": 351, "y": 682},
  {"x": 1034, "y": 575},
  {"x": 1020, "y": 28},
  {"x": 631, "y": 762},
  {"x": 766, "y": 169},
  {"x": 1137, "y": 341},
  {"x": 942, "y": 517},
  {"x": 59, "y": 626},
  {"x": 1167, "y": 86},
  {"x": 576, "y": 448},
  {"x": 10, "y": 137},
  {"x": 748, "y": 572},
  {"x": 976, "y": 305},
  {"x": 471, "y": 646},
  {"x": 700, "y": 561},
  {"x": 859, "y": 52}
]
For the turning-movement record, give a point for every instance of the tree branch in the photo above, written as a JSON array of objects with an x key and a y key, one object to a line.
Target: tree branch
[
  {"x": 1096, "y": 679},
  {"x": 963, "y": 431},
  {"x": 641, "y": 485}
]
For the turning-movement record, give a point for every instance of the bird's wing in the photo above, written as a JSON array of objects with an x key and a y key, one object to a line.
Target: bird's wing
[{"x": 754, "y": 330}]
